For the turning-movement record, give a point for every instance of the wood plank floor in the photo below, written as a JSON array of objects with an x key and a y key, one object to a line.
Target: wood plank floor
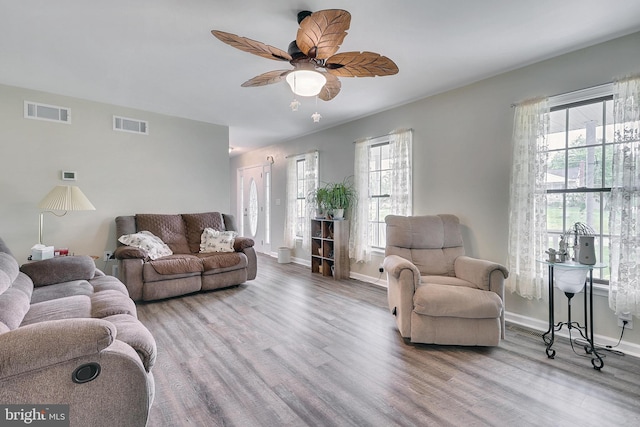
[{"x": 294, "y": 349}]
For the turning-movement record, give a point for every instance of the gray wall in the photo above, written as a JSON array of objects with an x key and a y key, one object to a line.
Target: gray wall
[
  {"x": 181, "y": 166},
  {"x": 462, "y": 155}
]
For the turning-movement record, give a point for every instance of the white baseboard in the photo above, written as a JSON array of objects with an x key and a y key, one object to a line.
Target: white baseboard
[
  {"x": 600, "y": 340},
  {"x": 301, "y": 261},
  {"x": 363, "y": 278}
]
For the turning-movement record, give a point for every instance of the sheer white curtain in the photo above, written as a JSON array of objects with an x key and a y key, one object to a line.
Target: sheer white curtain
[
  {"x": 359, "y": 248},
  {"x": 291, "y": 213},
  {"x": 400, "y": 146},
  {"x": 624, "y": 204},
  {"x": 527, "y": 199},
  {"x": 311, "y": 179},
  {"x": 400, "y": 153}
]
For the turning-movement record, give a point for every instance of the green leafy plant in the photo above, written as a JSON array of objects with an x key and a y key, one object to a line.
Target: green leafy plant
[
  {"x": 320, "y": 199},
  {"x": 341, "y": 195},
  {"x": 332, "y": 197}
]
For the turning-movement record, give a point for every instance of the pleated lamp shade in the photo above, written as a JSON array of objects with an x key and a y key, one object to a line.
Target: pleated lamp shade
[{"x": 66, "y": 198}]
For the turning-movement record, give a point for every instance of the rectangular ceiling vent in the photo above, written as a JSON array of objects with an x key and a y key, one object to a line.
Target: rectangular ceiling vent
[
  {"x": 125, "y": 124},
  {"x": 51, "y": 113}
]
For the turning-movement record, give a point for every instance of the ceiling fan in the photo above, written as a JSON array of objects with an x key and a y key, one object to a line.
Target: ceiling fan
[{"x": 313, "y": 55}]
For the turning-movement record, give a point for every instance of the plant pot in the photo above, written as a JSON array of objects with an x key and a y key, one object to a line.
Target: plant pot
[{"x": 338, "y": 213}]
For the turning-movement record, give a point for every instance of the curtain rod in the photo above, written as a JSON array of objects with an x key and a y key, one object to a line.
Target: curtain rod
[
  {"x": 380, "y": 136},
  {"x": 592, "y": 91},
  {"x": 301, "y": 154}
]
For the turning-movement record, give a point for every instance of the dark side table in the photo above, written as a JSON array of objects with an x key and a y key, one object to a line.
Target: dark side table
[{"x": 586, "y": 331}]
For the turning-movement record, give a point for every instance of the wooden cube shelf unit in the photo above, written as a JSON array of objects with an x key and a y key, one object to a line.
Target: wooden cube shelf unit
[{"x": 330, "y": 247}]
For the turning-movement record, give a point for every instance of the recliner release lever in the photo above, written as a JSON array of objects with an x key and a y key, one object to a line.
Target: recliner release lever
[{"x": 85, "y": 373}]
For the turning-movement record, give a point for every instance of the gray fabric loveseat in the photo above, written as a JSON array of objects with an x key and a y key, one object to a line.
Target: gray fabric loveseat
[
  {"x": 70, "y": 335},
  {"x": 187, "y": 269}
]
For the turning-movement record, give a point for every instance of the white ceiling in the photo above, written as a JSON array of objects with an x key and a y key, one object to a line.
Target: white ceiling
[{"x": 159, "y": 55}]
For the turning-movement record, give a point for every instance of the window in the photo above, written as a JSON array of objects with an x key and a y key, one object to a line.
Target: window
[
  {"x": 302, "y": 177},
  {"x": 579, "y": 172},
  {"x": 379, "y": 193},
  {"x": 301, "y": 198},
  {"x": 383, "y": 185}
]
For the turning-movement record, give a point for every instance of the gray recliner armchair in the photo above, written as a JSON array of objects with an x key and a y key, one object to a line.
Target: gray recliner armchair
[{"x": 439, "y": 295}]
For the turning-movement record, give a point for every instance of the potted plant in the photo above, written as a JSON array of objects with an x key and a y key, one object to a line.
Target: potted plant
[
  {"x": 340, "y": 197},
  {"x": 319, "y": 199}
]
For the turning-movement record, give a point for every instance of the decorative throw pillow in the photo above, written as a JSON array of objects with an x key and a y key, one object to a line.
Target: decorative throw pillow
[
  {"x": 146, "y": 240},
  {"x": 217, "y": 241}
]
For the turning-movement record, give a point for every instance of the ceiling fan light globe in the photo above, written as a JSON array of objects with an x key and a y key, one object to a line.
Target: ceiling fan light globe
[{"x": 306, "y": 82}]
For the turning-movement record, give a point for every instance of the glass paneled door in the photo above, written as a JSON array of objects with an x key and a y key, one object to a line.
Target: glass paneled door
[{"x": 253, "y": 203}]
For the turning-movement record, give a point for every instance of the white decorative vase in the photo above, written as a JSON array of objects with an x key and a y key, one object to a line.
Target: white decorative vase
[{"x": 587, "y": 252}]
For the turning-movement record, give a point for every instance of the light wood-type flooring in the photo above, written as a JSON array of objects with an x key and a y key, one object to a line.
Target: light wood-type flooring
[{"x": 292, "y": 348}]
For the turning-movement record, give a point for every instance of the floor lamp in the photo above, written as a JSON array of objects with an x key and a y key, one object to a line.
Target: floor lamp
[{"x": 63, "y": 198}]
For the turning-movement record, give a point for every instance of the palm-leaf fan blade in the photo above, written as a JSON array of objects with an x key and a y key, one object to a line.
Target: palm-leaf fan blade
[
  {"x": 267, "y": 78},
  {"x": 331, "y": 88},
  {"x": 321, "y": 33},
  {"x": 360, "y": 64},
  {"x": 252, "y": 46}
]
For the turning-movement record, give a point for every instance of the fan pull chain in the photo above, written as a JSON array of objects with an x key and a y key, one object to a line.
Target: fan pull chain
[{"x": 316, "y": 116}]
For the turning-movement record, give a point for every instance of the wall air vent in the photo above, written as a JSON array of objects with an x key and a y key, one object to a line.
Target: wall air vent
[
  {"x": 125, "y": 124},
  {"x": 51, "y": 113}
]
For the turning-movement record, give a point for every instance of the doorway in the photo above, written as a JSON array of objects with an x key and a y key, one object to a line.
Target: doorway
[{"x": 254, "y": 210}]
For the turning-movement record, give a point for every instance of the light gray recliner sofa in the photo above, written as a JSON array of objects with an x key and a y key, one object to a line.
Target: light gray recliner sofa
[
  {"x": 70, "y": 335},
  {"x": 439, "y": 295}
]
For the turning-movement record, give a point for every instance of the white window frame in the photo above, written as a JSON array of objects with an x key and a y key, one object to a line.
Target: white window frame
[
  {"x": 297, "y": 229},
  {"x": 301, "y": 197},
  {"x": 568, "y": 103},
  {"x": 400, "y": 194},
  {"x": 377, "y": 226}
]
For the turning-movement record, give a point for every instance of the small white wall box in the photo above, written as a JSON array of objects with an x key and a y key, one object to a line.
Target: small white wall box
[
  {"x": 38, "y": 254},
  {"x": 68, "y": 175}
]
